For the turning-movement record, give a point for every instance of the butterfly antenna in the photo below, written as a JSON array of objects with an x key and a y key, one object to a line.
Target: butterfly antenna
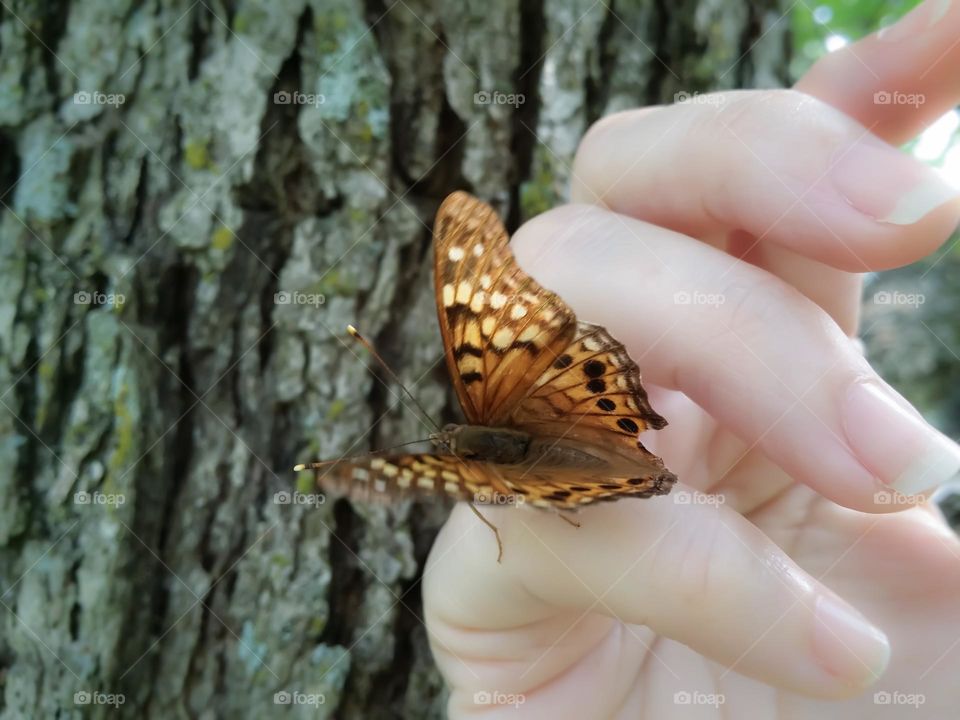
[{"x": 355, "y": 334}]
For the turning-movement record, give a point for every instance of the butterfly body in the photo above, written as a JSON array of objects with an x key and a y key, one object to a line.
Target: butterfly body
[
  {"x": 479, "y": 442},
  {"x": 506, "y": 446},
  {"x": 554, "y": 406}
]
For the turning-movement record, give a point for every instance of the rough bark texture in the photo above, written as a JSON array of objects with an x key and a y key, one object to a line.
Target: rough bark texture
[{"x": 197, "y": 200}]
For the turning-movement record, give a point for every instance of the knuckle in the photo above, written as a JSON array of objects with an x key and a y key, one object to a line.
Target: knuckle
[
  {"x": 755, "y": 116},
  {"x": 692, "y": 565}
]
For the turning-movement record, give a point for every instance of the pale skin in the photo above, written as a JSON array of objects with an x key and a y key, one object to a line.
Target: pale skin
[{"x": 803, "y": 594}]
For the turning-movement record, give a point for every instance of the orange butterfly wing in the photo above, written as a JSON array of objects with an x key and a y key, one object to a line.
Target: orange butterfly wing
[
  {"x": 500, "y": 329},
  {"x": 384, "y": 478},
  {"x": 516, "y": 352},
  {"x": 387, "y": 478},
  {"x": 591, "y": 392}
]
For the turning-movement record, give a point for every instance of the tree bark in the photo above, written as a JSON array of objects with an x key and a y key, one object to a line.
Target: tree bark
[{"x": 156, "y": 388}]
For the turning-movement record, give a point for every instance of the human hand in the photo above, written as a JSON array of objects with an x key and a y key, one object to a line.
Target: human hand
[{"x": 784, "y": 578}]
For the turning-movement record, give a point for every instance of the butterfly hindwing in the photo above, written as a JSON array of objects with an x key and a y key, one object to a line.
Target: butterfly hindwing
[
  {"x": 569, "y": 489},
  {"x": 591, "y": 391},
  {"x": 387, "y": 478}
]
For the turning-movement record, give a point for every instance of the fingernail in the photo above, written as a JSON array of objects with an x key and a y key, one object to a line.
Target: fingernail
[
  {"x": 904, "y": 451},
  {"x": 887, "y": 185},
  {"x": 923, "y": 17},
  {"x": 846, "y": 644},
  {"x": 940, "y": 10},
  {"x": 926, "y": 197}
]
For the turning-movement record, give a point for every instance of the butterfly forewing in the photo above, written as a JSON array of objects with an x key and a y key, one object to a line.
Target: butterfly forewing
[{"x": 500, "y": 329}]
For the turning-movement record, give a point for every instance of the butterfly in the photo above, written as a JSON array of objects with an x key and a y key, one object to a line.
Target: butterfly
[{"x": 553, "y": 405}]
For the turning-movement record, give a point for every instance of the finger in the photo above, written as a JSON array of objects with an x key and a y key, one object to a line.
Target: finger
[
  {"x": 759, "y": 357},
  {"x": 898, "y": 80},
  {"x": 695, "y": 573},
  {"x": 787, "y": 169}
]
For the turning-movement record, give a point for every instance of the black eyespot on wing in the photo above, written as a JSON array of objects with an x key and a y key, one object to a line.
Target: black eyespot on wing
[
  {"x": 610, "y": 487},
  {"x": 606, "y": 404},
  {"x": 470, "y": 377},
  {"x": 564, "y": 361},
  {"x": 628, "y": 425},
  {"x": 596, "y": 386},
  {"x": 636, "y": 481},
  {"x": 594, "y": 368}
]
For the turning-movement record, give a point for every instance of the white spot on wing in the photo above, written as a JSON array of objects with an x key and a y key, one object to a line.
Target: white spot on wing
[
  {"x": 463, "y": 292},
  {"x": 477, "y": 301},
  {"x": 498, "y": 300},
  {"x": 529, "y": 333},
  {"x": 518, "y": 311},
  {"x": 455, "y": 253},
  {"x": 503, "y": 338},
  {"x": 447, "y": 295}
]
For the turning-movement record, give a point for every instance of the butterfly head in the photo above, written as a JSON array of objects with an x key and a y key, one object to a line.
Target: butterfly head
[{"x": 446, "y": 439}]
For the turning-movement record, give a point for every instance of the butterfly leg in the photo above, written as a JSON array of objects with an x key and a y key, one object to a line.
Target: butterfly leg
[
  {"x": 575, "y": 523},
  {"x": 496, "y": 532}
]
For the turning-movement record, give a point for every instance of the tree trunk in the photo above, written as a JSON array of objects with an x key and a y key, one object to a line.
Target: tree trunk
[{"x": 181, "y": 252}]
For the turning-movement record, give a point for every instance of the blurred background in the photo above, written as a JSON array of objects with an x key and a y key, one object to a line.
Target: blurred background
[{"x": 195, "y": 198}]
